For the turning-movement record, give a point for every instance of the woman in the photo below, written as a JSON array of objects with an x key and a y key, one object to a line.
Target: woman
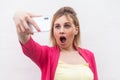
[{"x": 65, "y": 60}]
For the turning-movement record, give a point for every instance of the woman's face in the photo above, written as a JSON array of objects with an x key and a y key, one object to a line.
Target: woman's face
[{"x": 64, "y": 31}]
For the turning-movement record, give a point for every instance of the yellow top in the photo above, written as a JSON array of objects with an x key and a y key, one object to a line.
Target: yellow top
[{"x": 66, "y": 71}]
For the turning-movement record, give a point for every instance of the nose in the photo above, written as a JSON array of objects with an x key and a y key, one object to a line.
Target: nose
[{"x": 62, "y": 30}]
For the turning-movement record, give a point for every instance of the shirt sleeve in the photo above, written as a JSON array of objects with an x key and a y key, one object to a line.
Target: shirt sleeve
[{"x": 35, "y": 52}]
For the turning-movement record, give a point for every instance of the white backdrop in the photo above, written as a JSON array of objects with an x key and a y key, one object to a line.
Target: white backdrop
[{"x": 100, "y": 33}]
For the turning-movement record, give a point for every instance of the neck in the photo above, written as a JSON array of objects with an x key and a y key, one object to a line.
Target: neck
[{"x": 70, "y": 49}]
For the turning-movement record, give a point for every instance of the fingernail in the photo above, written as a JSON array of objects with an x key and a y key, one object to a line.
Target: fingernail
[{"x": 38, "y": 30}]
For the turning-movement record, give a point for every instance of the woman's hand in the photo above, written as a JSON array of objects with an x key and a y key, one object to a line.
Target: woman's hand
[{"x": 22, "y": 21}]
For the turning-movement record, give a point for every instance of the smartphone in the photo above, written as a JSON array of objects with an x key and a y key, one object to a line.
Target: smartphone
[{"x": 44, "y": 23}]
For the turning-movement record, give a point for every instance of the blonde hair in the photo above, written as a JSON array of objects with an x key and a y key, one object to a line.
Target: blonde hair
[{"x": 68, "y": 12}]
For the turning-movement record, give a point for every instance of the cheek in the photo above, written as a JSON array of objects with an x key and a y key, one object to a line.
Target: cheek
[
  {"x": 71, "y": 34},
  {"x": 55, "y": 34}
]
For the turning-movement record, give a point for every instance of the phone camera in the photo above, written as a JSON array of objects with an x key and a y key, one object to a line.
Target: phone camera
[{"x": 46, "y": 18}]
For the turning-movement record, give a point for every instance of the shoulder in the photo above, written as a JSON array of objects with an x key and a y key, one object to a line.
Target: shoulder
[
  {"x": 86, "y": 52},
  {"x": 87, "y": 55}
]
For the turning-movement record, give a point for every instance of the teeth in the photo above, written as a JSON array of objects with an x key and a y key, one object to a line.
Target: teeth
[{"x": 62, "y": 39}]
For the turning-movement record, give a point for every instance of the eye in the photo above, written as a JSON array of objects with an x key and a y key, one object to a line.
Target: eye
[
  {"x": 67, "y": 26},
  {"x": 57, "y": 26}
]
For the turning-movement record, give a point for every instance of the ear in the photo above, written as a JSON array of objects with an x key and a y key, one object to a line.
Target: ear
[{"x": 76, "y": 30}]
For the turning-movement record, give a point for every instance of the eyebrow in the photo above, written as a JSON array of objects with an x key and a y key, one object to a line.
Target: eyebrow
[{"x": 64, "y": 23}]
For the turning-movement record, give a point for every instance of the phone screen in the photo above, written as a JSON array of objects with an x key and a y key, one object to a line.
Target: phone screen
[{"x": 44, "y": 23}]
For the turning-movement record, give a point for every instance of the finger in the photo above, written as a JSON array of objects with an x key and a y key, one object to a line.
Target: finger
[
  {"x": 34, "y": 15},
  {"x": 31, "y": 21},
  {"x": 26, "y": 26},
  {"x": 21, "y": 28},
  {"x": 18, "y": 30}
]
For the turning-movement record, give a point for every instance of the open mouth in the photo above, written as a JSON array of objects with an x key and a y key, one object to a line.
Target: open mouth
[{"x": 62, "y": 39}]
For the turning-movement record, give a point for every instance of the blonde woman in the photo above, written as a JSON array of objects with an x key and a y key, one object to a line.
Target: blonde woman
[{"x": 65, "y": 60}]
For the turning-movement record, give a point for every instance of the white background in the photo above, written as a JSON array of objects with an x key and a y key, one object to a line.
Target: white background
[{"x": 100, "y": 33}]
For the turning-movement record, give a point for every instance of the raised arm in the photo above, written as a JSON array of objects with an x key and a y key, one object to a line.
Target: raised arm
[{"x": 22, "y": 21}]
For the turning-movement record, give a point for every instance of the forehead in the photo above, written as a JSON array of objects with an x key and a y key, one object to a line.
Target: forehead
[{"x": 63, "y": 19}]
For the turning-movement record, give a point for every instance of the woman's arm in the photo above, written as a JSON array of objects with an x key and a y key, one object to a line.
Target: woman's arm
[{"x": 21, "y": 20}]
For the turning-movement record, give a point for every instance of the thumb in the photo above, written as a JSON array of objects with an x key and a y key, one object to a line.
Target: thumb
[{"x": 34, "y": 15}]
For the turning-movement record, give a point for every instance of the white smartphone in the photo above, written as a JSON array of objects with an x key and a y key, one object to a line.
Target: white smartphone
[{"x": 44, "y": 23}]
